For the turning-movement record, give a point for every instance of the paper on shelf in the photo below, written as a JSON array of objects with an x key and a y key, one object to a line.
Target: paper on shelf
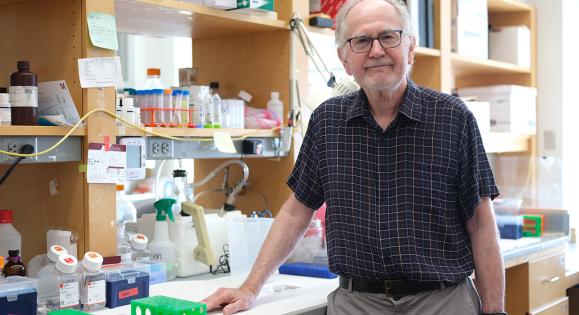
[
  {"x": 99, "y": 72},
  {"x": 223, "y": 142},
  {"x": 106, "y": 166},
  {"x": 54, "y": 99}
]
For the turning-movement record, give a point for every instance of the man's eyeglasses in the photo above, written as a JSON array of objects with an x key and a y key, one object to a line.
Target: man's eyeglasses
[{"x": 387, "y": 39}]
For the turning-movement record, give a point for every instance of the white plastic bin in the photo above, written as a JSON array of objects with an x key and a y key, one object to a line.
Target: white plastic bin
[{"x": 246, "y": 236}]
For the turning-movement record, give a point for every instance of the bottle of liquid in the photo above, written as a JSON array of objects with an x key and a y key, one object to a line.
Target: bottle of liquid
[
  {"x": 161, "y": 247},
  {"x": 9, "y": 236},
  {"x": 140, "y": 252},
  {"x": 216, "y": 104},
  {"x": 5, "y": 110},
  {"x": 154, "y": 79},
  {"x": 126, "y": 212},
  {"x": 36, "y": 264},
  {"x": 185, "y": 114},
  {"x": 14, "y": 267},
  {"x": 180, "y": 189},
  {"x": 24, "y": 95},
  {"x": 59, "y": 285},
  {"x": 207, "y": 111},
  {"x": 93, "y": 290},
  {"x": 275, "y": 106}
]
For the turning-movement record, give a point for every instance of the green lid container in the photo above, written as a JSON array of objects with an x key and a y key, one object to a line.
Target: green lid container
[
  {"x": 67, "y": 312},
  {"x": 163, "y": 305}
]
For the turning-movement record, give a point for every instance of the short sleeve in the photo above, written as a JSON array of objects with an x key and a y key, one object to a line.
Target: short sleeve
[
  {"x": 304, "y": 179},
  {"x": 476, "y": 178}
]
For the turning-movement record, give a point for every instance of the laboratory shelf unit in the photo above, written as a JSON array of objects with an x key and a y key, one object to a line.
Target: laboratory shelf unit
[
  {"x": 194, "y": 132},
  {"x": 40, "y": 131}
]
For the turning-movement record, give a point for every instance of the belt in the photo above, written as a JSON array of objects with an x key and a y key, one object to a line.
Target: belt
[{"x": 394, "y": 288}]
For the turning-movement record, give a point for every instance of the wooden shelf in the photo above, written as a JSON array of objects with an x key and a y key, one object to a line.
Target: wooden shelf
[
  {"x": 427, "y": 52},
  {"x": 465, "y": 66},
  {"x": 39, "y": 131},
  {"x": 508, "y": 6},
  {"x": 195, "y": 132},
  {"x": 502, "y": 142},
  {"x": 176, "y": 18}
]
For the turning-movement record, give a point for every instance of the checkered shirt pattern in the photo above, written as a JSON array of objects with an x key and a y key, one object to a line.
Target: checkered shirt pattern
[{"x": 397, "y": 200}]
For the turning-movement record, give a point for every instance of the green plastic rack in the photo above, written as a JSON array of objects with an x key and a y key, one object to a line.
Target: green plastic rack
[{"x": 163, "y": 305}]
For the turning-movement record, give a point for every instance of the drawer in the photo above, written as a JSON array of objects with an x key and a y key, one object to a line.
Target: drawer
[
  {"x": 560, "y": 307},
  {"x": 546, "y": 280}
]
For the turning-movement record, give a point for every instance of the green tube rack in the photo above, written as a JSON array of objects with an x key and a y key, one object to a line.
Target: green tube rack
[
  {"x": 163, "y": 305},
  {"x": 67, "y": 312}
]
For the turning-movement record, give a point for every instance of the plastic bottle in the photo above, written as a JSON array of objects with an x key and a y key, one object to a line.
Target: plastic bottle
[
  {"x": 207, "y": 111},
  {"x": 93, "y": 289},
  {"x": 185, "y": 115},
  {"x": 167, "y": 105},
  {"x": 180, "y": 189},
  {"x": 126, "y": 212},
  {"x": 1, "y": 267},
  {"x": 275, "y": 106},
  {"x": 140, "y": 252},
  {"x": 59, "y": 285},
  {"x": 5, "y": 110},
  {"x": 158, "y": 107},
  {"x": 177, "y": 96},
  {"x": 9, "y": 237},
  {"x": 161, "y": 247},
  {"x": 14, "y": 267},
  {"x": 154, "y": 79},
  {"x": 216, "y": 104},
  {"x": 24, "y": 95},
  {"x": 36, "y": 264}
]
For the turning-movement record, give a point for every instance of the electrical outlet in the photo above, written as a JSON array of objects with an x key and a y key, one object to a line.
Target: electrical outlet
[
  {"x": 165, "y": 147},
  {"x": 13, "y": 147},
  {"x": 156, "y": 147}
]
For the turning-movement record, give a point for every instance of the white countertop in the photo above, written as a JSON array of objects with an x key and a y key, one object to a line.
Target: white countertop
[{"x": 282, "y": 294}]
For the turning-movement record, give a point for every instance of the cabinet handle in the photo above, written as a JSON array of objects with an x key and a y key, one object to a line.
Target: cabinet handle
[{"x": 551, "y": 280}]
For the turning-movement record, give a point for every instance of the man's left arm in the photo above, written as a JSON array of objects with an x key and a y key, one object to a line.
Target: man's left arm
[{"x": 488, "y": 261}]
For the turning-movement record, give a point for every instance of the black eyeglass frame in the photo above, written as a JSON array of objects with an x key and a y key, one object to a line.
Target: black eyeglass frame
[{"x": 349, "y": 41}]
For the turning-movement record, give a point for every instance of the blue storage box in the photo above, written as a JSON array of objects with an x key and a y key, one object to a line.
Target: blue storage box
[
  {"x": 126, "y": 283},
  {"x": 18, "y": 295},
  {"x": 510, "y": 226},
  {"x": 307, "y": 270}
]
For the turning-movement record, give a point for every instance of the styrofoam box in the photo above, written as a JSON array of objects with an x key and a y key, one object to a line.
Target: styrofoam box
[
  {"x": 512, "y": 107},
  {"x": 469, "y": 28},
  {"x": 511, "y": 44},
  {"x": 482, "y": 114}
]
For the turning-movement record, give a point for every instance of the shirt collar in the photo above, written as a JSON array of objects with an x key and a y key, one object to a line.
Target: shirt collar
[{"x": 411, "y": 105}]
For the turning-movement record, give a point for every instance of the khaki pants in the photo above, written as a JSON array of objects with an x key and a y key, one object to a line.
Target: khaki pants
[{"x": 461, "y": 299}]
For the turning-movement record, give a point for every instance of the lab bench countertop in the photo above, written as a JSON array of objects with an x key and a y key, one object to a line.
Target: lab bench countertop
[{"x": 282, "y": 294}]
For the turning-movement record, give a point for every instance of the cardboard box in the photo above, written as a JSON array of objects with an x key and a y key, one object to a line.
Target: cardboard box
[
  {"x": 512, "y": 107},
  {"x": 511, "y": 44},
  {"x": 262, "y": 5}
]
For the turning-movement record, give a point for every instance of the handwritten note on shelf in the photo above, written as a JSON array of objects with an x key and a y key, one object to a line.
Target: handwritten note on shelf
[{"x": 102, "y": 30}]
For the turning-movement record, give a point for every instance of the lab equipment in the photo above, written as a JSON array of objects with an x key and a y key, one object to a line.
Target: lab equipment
[
  {"x": 510, "y": 226},
  {"x": 533, "y": 225},
  {"x": 140, "y": 253},
  {"x": 23, "y": 92},
  {"x": 18, "y": 295},
  {"x": 62, "y": 237},
  {"x": 307, "y": 270},
  {"x": 93, "y": 286},
  {"x": 162, "y": 248},
  {"x": 126, "y": 212},
  {"x": 59, "y": 285},
  {"x": 9, "y": 237},
  {"x": 246, "y": 236},
  {"x": 40, "y": 261},
  {"x": 275, "y": 106},
  {"x": 125, "y": 283},
  {"x": 153, "y": 79},
  {"x": 14, "y": 266},
  {"x": 136, "y": 158},
  {"x": 164, "y": 305},
  {"x": 215, "y": 105}
]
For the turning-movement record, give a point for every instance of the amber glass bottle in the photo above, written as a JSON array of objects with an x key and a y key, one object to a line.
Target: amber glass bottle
[{"x": 23, "y": 92}]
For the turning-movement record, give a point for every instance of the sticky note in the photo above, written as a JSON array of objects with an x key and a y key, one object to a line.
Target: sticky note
[
  {"x": 223, "y": 142},
  {"x": 82, "y": 168},
  {"x": 102, "y": 30}
]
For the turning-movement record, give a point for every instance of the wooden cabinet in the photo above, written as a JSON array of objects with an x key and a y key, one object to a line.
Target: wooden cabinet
[
  {"x": 546, "y": 280},
  {"x": 241, "y": 51},
  {"x": 559, "y": 307}
]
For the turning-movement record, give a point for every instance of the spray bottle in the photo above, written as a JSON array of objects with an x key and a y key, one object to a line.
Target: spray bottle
[{"x": 161, "y": 247}]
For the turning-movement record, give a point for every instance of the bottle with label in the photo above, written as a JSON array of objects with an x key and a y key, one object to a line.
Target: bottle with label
[
  {"x": 216, "y": 104},
  {"x": 9, "y": 236},
  {"x": 5, "y": 108},
  {"x": 140, "y": 252},
  {"x": 93, "y": 291},
  {"x": 36, "y": 264},
  {"x": 23, "y": 92},
  {"x": 161, "y": 247},
  {"x": 153, "y": 79},
  {"x": 59, "y": 285},
  {"x": 275, "y": 106},
  {"x": 14, "y": 267},
  {"x": 126, "y": 212}
]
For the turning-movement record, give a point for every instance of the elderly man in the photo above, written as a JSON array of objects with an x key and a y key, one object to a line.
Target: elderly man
[{"x": 406, "y": 180}]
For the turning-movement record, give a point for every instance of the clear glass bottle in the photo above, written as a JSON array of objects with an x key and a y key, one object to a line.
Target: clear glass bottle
[
  {"x": 93, "y": 288},
  {"x": 126, "y": 212},
  {"x": 216, "y": 104},
  {"x": 140, "y": 252},
  {"x": 180, "y": 189}
]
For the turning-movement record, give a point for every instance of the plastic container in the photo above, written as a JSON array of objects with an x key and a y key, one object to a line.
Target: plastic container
[
  {"x": 1, "y": 267},
  {"x": 24, "y": 95},
  {"x": 307, "y": 270},
  {"x": 310, "y": 244},
  {"x": 185, "y": 113},
  {"x": 93, "y": 286},
  {"x": 126, "y": 212},
  {"x": 5, "y": 109},
  {"x": 40, "y": 261},
  {"x": 154, "y": 79},
  {"x": 14, "y": 266},
  {"x": 65, "y": 238},
  {"x": 275, "y": 106},
  {"x": 9, "y": 237},
  {"x": 179, "y": 192},
  {"x": 216, "y": 105},
  {"x": 59, "y": 285},
  {"x": 176, "y": 112},
  {"x": 158, "y": 106},
  {"x": 246, "y": 236},
  {"x": 162, "y": 247},
  {"x": 164, "y": 305},
  {"x": 18, "y": 295},
  {"x": 167, "y": 105},
  {"x": 125, "y": 283},
  {"x": 140, "y": 253}
]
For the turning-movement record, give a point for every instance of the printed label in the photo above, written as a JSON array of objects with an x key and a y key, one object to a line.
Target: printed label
[
  {"x": 96, "y": 292},
  {"x": 23, "y": 96},
  {"x": 128, "y": 293},
  {"x": 5, "y": 116},
  {"x": 69, "y": 294}
]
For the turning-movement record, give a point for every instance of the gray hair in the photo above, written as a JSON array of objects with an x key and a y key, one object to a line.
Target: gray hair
[{"x": 400, "y": 7}]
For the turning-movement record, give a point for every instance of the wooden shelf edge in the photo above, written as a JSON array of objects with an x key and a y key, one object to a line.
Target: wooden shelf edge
[
  {"x": 39, "y": 131},
  {"x": 504, "y": 6},
  {"x": 195, "y": 132},
  {"x": 427, "y": 52},
  {"x": 490, "y": 64},
  {"x": 503, "y": 142}
]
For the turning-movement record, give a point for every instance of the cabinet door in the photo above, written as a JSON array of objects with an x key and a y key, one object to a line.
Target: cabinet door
[
  {"x": 560, "y": 307},
  {"x": 546, "y": 280}
]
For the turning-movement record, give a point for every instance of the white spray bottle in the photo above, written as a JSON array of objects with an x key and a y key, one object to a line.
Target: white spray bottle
[{"x": 162, "y": 249}]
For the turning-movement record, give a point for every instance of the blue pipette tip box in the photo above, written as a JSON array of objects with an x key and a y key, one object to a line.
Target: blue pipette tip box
[{"x": 307, "y": 270}]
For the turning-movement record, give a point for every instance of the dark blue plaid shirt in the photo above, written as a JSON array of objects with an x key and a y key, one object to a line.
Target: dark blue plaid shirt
[{"x": 397, "y": 200}]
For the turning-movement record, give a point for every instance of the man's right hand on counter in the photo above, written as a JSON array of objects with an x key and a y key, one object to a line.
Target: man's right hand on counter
[{"x": 232, "y": 300}]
